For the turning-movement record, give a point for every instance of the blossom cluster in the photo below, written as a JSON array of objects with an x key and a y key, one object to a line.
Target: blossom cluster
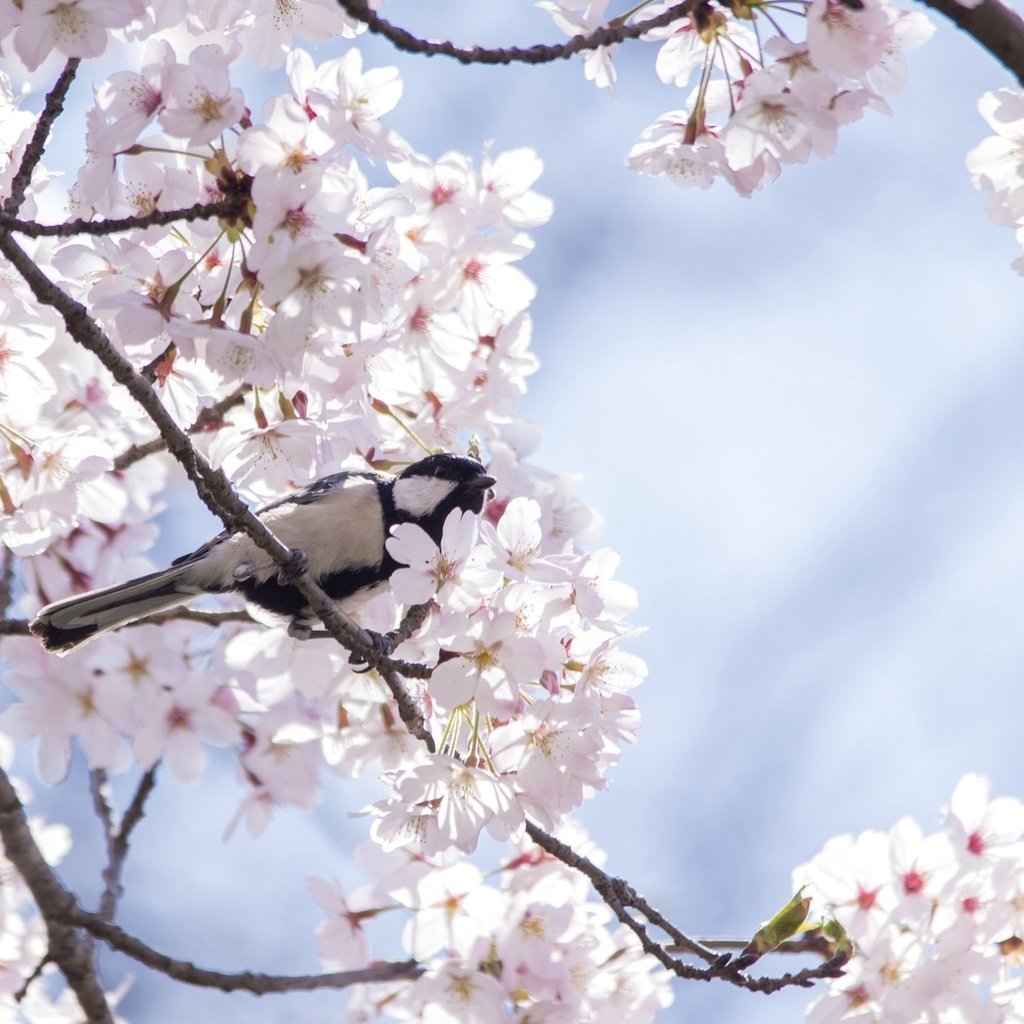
[
  {"x": 522, "y": 942},
  {"x": 348, "y": 318},
  {"x": 996, "y": 164},
  {"x": 358, "y": 302},
  {"x": 759, "y": 98},
  {"x": 937, "y": 920}
]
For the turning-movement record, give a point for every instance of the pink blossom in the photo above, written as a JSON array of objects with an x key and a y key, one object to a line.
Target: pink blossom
[
  {"x": 75, "y": 28},
  {"x": 176, "y": 724},
  {"x": 199, "y": 102}
]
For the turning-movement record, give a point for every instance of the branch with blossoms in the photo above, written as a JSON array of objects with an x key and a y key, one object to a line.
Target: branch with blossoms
[
  {"x": 996, "y": 27},
  {"x": 619, "y": 897},
  {"x": 65, "y": 917},
  {"x": 232, "y": 209},
  {"x": 301, "y": 292},
  {"x": 615, "y": 31}
]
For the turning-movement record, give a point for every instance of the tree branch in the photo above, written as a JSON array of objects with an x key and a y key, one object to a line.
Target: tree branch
[
  {"x": 244, "y": 981},
  {"x": 71, "y": 953},
  {"x": 116, "y": 838},
  {"x": 207, "y": 418},
  {"x": 620, "y": 897},
  {"x": 542, "y": 53},
  {"x": 997, "y": 28},
  {"x": 37, "y": 144},
  {"x": 19, "y": 627},
  {"x": 67, "y": 949},
  {"x": 230, "y": 208},
  {"x": 212, "y": 486}
]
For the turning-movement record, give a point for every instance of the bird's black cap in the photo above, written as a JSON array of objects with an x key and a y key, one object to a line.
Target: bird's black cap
[{"x": 445, "y": 466}]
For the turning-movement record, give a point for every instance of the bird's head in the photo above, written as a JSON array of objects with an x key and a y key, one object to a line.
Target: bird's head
[{"x": 428, "y": 490}]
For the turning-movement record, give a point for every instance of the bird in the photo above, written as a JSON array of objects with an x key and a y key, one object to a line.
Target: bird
[{"x": 339, "y": 522}]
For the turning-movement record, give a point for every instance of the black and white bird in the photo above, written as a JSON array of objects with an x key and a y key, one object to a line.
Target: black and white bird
[{"x": 340, "y": 522}]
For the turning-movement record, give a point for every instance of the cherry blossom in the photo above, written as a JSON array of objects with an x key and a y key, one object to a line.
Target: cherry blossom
[{"x": 362, "y": 303}]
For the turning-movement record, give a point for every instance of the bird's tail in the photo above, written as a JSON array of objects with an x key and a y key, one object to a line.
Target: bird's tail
[{"x": 64, "y": 625}]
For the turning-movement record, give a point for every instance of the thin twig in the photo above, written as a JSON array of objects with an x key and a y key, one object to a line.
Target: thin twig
[
  {"x": 19, "y": 627},
  {"x": 621, "y": 897},
  {"x": 244, "y": 981},
  {"x": 67, "y": 949},
  {"x": 209, "y": 417},
  {"x": 37, "y": 144},
  {"x": 63, "y": 915},
  {"x": 212, "y": 486},
  {"x": 116, "y": 838},
  {"x": 542, "y": 53},
  {"x": 229, "y": 208}
]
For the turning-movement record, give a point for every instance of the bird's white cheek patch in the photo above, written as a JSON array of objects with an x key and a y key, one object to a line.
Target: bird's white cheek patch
[{"x": 420, "y": 495}]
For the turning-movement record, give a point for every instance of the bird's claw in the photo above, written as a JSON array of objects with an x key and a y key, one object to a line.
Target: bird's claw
[
  {"x": 300, "y": 629},
  {"x": 297, "y": 565},
  {"x": 381, "y": 648}
]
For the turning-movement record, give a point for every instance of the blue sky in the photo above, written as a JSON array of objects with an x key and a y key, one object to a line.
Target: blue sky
[{"x": 800, "y": 417}]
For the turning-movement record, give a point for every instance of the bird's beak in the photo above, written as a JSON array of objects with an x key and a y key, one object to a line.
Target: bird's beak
[{"x": 481, "y": 483}]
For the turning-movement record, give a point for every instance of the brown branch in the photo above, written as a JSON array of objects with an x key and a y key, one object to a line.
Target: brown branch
[
  {"x": 116, "y": 838},
  {"x": 997, "y": 28},
  {"x": 621, "y": 897},
  {"x": 212, "y": 486},
  {"x": 207, "y": 418},
  {"x": 63, "y": 916},
  {"x": 67, "y": 949},
  {"x": 243, "y": 981},
  {"x": 542, "y": 53},
  {"x": 37, "y": 144},
  {"x": 19, "y": 627},
  {"x": 229, "y": 208}
]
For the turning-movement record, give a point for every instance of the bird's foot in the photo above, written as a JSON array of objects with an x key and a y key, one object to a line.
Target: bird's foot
[{"x": 381, "y": 648}]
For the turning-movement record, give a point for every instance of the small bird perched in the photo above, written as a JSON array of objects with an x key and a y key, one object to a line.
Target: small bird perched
[{"x": 339, "y": 522}]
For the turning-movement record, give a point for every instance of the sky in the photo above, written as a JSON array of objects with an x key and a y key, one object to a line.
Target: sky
[{"x": 799, "y": 415}]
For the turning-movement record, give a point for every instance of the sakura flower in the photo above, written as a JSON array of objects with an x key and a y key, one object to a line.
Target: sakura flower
[
  {"x": 580, "y": 17},
  {"x": 453, "y": 571},
  {"x": 288, "y": 140},
  {"x": 909, "y": 30},
  {"x": 451, "y": 906},
  {"x": 455, "y": 994},
  {"x": 768, "y": 120},
  {"x": 128, "y": 101},
  {"x": 921, "y": 864},
  {"x": 61, "y": 480},
  {"x": 267, "y": 460},
  {"x": 495, "y": 664},
  {"x": 315, "y": 286},
  {"x": 507, "y": 197},
  {"x": 352, "y": 101},
  {"x": 853, "y": 879},
  {"x": 25, "y": 382},
  {"x": 984, "y": 828},
  {"x": 663, "y": 149},
  {"x": 445, "y": 804},
  {"x": 341, "y": 937},
  {"x": 552, "y": 748},
  {"x": 847, "y": 39},
  {"x": 61, "y": 703},
  {"x": 175, "y": 726},
  {"x": 199, "y": 102},
  {"x": 518, "y": 537},
  {"x": 997, "y": 163},
  {"x": 75, "y": 28},
  {"x": 269, "y": 39},
  {"x": 596, "y": 594}
]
